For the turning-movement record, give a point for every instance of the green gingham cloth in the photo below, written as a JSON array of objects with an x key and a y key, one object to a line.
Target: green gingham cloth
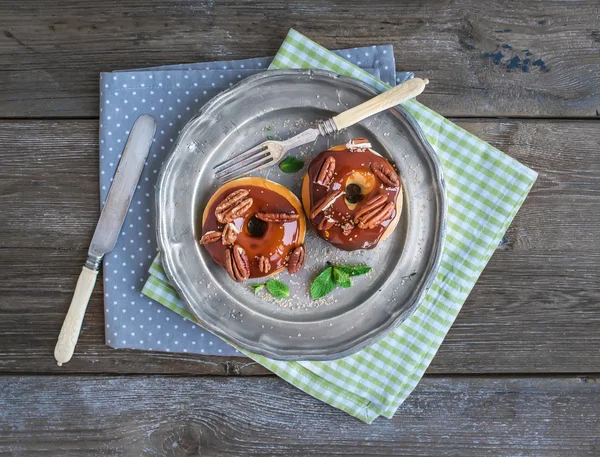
[{"x": 485, "y": 190}]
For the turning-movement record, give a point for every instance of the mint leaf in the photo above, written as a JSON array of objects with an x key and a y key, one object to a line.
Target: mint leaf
[
  {"x": 268, "y": 127},
  {"x": 277, "y": 288},
  {"x": 341, "y": 278},
  {"x": 291, "y": 165},
  {"x": 354, "y": 270},
  {"x": 322, "y": 284}
]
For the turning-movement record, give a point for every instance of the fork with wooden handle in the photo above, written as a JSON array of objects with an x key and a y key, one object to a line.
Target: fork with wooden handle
[{"x": 270, "y": 152}]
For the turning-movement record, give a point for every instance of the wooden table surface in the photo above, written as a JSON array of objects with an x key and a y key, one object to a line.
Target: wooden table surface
[{"x": 517, "y": 374}]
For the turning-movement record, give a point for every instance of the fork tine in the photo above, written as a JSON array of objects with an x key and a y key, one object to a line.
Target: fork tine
[
  {"x": 248, "y": 168},
  {"x": 244, "y": 162},
  {"x": 236, "y": 158}
]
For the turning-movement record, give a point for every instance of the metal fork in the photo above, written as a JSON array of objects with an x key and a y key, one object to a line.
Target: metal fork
[{"x": 270, "y": 152}]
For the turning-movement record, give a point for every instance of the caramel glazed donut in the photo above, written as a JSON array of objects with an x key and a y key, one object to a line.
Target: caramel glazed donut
[
  {"x": 254, "y": 228},
  {"x": 352, "y": 195}
]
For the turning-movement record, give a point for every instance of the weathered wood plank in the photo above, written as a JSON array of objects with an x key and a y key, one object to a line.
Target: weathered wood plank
[
  {"x": 148, "y": 416},
  {"x": 535, "y": 308},
  {"x": 36, "y": 286},
  {"x": 49, "y": 182},
  {"x": 484, "y": 58},
  {"x": 529, "y": 313}
]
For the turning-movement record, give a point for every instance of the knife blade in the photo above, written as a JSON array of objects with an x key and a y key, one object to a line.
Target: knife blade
[
  {"x": 123, "y": 186},
  {"x": 107, "y": 230}
]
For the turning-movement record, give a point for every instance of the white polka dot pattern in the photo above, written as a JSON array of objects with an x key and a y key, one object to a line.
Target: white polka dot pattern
[{"x": 172, "y": 95}]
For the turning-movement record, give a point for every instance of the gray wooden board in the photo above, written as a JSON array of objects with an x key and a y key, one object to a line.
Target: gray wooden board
[
  {"x": 483, "y": 57},
  {"x": 193, "y": 416},
  {"x": 534, "y": 310}
]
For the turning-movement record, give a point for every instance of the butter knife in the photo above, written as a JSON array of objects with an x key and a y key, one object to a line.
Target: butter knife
[{"x": 108, "y": 228}]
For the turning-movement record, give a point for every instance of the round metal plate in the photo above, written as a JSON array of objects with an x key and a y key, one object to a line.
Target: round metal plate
[{"x": 280, "y": 104}]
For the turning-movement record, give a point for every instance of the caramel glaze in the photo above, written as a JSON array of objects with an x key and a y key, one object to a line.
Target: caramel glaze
[
  {"x": 275, "y": 243},
  {"x": 346, "y": 163}
]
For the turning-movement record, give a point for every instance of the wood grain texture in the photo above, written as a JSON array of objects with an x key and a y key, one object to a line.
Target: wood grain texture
[
  {"x": 50, "y": 170},
  {"x": 32, "y": 317},
  {"x": 534, "y": 310},
  {"x": 166, "y": 416},
  {"x": 484, "y": 58}
]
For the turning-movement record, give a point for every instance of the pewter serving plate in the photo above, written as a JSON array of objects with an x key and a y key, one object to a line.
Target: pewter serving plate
[{"x": 281, "y": 104}]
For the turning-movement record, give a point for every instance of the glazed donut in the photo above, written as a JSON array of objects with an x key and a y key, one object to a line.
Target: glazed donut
[
  {"x": 352, "y": 196},
  {"x": 254, "y": 228}
]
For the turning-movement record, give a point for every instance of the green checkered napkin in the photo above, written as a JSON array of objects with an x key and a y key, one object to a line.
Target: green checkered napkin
[{"x": 485, "y": 189}]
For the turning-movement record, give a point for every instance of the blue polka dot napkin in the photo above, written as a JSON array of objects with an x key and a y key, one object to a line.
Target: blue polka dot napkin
[{"x": 172, "y": 95}]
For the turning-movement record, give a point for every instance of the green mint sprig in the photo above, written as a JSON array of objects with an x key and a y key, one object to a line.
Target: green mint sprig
[
  {"x": 277, "y": 288},
  {"x": 333, "y": 276}
]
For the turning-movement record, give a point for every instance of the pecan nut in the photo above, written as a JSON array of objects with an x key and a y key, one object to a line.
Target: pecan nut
[
  {"x": 326, "y": 224},
  {"x": 358, "y": 144},
  {"x": 325, "y": 202},
  {"x": 347, "y": 227},
  {"x": 235, "y": 205},
  {"x": 230, "y": 233},
  {"x": 210, "y": 237},
  {"x": 237, "y": 263},
  {"x": 377, "y": 216},
  {"x": 277, "y": 217},
  {"x": 325, "y": 175},
  {"x": 264, "y": 264},
  {"x": 371, "y": 204},
  {"x": 296, "y": 260},
  {"x": 386, "y": 174}
]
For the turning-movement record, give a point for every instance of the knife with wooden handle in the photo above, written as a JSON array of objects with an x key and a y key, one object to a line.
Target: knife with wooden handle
[{"x": 107, "y": 231}]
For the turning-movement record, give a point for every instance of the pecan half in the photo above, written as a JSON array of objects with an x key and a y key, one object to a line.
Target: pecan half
[
  {"x": 296, "y": 260},
  {"x": 325, "y": 202},
  {"x": 358, "y": 144},
  {"x": 370, "y": 205},
  {"x": 377, "y": 217},
  {"x": 347, "y": 227},
  {"x": 210, "y": 237},
  {"x": 237, "y": 263},
  {"x": 325, "y": 175},
  {"x": 277, "y": 217},
  {"x": 236, "y": 204},
  {"x": 230, "y": 233},
  {"x": 229, "y": 264},
  {"x": 264, "y": 264},
  {"x": 386, "y": 174},
  {"x": 326, "y": 224}
]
